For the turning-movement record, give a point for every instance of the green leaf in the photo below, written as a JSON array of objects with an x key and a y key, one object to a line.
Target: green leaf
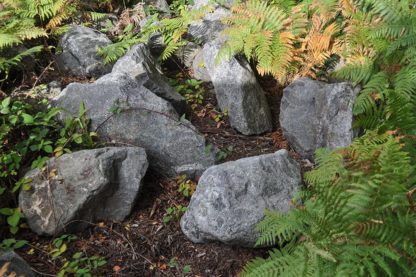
[
  {"x": 13, "y": 119},
  {"x": 77, "y": 255},
  {"x": 6, "y": 102},
  {"x": 14, "y": 229},
  {"x": 20, "y": 244},
  {"x": 187, "y": 269},
  {"x": 77, "y": 138},
  {"x": 63, "y": 248},
  {"x": 27, "y": 118},
  {"x": 14, "y": 219},
  {"x": 6, "y": 211},
  {"x": 5, "y": 110},
  {"x": 48, "y": 149}
]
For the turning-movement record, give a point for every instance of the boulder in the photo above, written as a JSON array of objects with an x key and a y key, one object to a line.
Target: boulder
[
  {"x": 14, "y": 265},
  {"x": 85, "y": 186},
  {"x": 238, "y": 91},
  {"x": 230, "y": 198},
  {"x": 79, "y": 52},
  {"x": 160, "y": 5},
  {"x": 314, "y": 114},
  {"x": 226, "y": 3},
  {"x": 209, "y": 27},
  {"x": 123, "y": 111},
  {"x": 140, "y": 65}
]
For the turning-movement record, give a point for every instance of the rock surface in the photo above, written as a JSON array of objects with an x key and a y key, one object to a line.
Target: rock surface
[
  {"x": 209, "y": 27},
  {"x": 314, "y": 114},
  {"x": 200, "y": 3},
  {"x": 230, "y": 198},
  {"x": 238, "y": 91},
  {"x": 126, "y": 112},
  {"x": 199, "y": 69},
  {"x": 79, "y": 52},
  {"x": 89, "y": 185},
  {"x": 160, "y": 5},
  {"x": 15, "y": 265},
  {"x": 139, "y": 64}
]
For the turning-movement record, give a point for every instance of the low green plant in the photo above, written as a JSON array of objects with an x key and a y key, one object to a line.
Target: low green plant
[
  {"x": 13, "y": 217},
  {"x": 218, "y": 116},
  {"x": 224, "y": 153},
  {"x": 173, "y": 213},
  {"x": 191, "y": 90},
  {"x": 173, "y": 263},
  {"x": 12, "y": 244},
  {"x": 29, "y": 135},
  {"x": 177, "y": 5},
  {"x": 186, "y": 186},
  {"x": 81, "y": 266},
  {"x": 60, "y": 245}
]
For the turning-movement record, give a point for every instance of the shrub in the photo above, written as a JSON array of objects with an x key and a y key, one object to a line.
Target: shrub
[{"x": 29, "y": 135}]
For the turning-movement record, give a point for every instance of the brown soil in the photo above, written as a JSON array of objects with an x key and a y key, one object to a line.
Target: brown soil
[{"x": 144, "y": 245}]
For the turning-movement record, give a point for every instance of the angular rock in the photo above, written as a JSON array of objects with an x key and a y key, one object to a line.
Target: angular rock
[
  {"x": 160, "y": 5},
  {"x": 200, "y": 3},
  {"x": 139, "y": 64},
  {"x": 209, "y": 27},
  {"x": 89, "y": 185},
  {"x": 314, "y": 114},
  {"x": 230, "y": 198},
  {"x": 124, "y": 111},
  {"x": 199, "y": 69},
  {"x": 238, "y": 91},
  {"x": 79, "y": 52},
  {"x": 14, "y": 265}
]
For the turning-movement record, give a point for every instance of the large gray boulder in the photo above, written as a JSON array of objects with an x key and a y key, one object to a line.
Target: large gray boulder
[
  {"x": 79, "y": 52},
  {"x": 230, "y": 198},
  {"x": 123, "y": 111},
  {"x": 238, "y": 91},
  {"x": 314, "y": 114},
  {"x": 139, "y": 64},
  {"x": 85, "y": 186},
  {"x": 14, "y": 265}
]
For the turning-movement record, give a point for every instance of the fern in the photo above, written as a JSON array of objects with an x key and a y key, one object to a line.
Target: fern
[
  {"x": 24, "y": 20},
  {"x": 279, "y": 39},
  {"x": 173, "y": 31},
  {"x": 358, "y": 214},
  {"x": 264, "y": 33},
  {"x": 356, "y": 221}
]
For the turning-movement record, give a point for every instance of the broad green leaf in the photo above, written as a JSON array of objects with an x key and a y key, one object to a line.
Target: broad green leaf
[
  {"x": 27, "y": 118},
  {"x": 6, "y": 102},
  {"x": 14, "y": 219}
]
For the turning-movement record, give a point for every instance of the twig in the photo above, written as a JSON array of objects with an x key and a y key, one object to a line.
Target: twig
[
  {"x": 41, "y": 75},
  {"x": 42, "y": 273}
]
